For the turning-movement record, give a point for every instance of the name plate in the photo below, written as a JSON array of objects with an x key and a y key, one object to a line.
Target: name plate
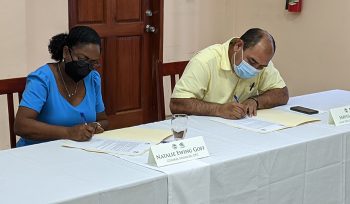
[
  {"x": 340, "y": 116},
  {"x": 177, "y": 151}
]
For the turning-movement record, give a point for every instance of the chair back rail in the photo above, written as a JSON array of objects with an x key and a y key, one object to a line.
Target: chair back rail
[
  {"x": 168, "y": 69},
  {"x": 11, "y": 87}
]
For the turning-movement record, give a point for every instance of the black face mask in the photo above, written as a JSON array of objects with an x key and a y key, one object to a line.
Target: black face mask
[{"x": 77, "y": 70}]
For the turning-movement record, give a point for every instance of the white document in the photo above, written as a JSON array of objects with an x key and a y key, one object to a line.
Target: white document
[
  {"x": 116, "y": 147},
  {"x": 252, "y": 123}
]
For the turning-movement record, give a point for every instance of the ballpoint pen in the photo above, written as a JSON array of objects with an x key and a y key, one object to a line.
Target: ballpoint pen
[
  {"x": 236, "y": 98},
  {"x": 252, "y": 86},
  {"x": 84, "y": 118}
]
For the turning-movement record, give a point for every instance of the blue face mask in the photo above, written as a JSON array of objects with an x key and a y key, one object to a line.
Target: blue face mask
[{"x": 244, "y": 70}]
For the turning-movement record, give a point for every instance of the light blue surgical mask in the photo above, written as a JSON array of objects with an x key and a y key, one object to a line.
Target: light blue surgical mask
[{"x": 244, "y": 70}]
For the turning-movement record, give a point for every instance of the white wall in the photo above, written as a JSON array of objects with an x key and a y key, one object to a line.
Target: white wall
[
  {"x": 27, "y": 27},
  {"x": 312, "y": 47},
  {"x": 191, "y": 25},
  {"x": 44, "y": 19},
  {"x": 13, "y": 38}
]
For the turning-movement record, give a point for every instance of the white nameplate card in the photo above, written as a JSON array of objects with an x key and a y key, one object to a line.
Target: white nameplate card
[
  {"x": 339, "y": 116},
  {"x": 178, "y": 151}
]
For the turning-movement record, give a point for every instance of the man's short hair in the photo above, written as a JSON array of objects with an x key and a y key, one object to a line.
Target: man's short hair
[{"x": 253, "y": 36}]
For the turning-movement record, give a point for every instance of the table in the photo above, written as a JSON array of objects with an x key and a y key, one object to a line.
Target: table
[
  {"x": 49, "y": 173},
  {"x": 307, "y": 164}
]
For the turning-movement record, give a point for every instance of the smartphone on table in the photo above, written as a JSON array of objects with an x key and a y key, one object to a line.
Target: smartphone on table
[{"x": 305, "y": 110}]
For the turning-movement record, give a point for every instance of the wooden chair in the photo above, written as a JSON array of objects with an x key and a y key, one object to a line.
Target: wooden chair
[
  {"x": 167, "y": 69},
  {"x": 10, "y": 87}
]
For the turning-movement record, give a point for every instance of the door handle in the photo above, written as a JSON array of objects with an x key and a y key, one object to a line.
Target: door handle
[
  {"x": 150, "y": 29},
  {"x": 149, "y": 13}
]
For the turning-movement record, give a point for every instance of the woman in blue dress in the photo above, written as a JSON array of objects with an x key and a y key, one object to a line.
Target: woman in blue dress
[{"x": 63, "y": 100}]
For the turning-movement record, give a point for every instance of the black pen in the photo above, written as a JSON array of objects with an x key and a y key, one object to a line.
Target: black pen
[
  {"x": 236, "y": 98},
  {"x": 252, "y": 86}
]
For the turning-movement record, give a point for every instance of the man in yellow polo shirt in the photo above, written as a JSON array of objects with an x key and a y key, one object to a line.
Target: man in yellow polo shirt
[{"x": 231, "y": 80}]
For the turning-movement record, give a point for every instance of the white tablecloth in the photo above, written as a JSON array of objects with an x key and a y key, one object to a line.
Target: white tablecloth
[
  {"x": 49, "y": 173},
  {"x": 307, "y": 164}
]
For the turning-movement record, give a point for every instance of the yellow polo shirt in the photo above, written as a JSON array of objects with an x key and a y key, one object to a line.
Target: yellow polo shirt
[{"x": 209, "y": 77}]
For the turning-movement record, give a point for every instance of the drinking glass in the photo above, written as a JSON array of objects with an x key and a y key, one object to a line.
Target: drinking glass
[{"x": 179, "y": 125}]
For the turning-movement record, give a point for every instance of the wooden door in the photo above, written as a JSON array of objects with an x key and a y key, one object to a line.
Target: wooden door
[{"x": 129, "y": 55}]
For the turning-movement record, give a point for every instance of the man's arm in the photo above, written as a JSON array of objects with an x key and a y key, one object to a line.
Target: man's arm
[
  {"x": 273, "y": 98},
  {"x": 194, "y": 106}
]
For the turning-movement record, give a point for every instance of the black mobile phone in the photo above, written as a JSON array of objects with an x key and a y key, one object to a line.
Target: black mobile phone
[{"x": 304, "y": 110}]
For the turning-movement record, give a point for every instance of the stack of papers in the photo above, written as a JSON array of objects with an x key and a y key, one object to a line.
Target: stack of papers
[
  {"x": 252, "y": 124},
  {"x": 127, "y": 141},
  {"x": 115, "y": 147},
  {"x": 268, "y": 120}
]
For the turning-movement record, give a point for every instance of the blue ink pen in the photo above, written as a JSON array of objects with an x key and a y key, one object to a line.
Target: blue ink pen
[
  {"x": 236, "y": 98},
  {"x": 84, "y": 118}
]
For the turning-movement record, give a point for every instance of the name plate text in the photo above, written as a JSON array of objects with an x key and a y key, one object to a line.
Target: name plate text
[
  {"x": 340, "y": 116},
  {"x": 178, "y": 151}
]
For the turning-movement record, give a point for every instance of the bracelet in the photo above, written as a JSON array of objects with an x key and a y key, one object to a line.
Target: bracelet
[
  {"x": 98, "y": 124},
  {"x": 256, "y": 100}
]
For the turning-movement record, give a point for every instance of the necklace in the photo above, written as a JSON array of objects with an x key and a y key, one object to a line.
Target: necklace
[{"x": 64, "y": 83}]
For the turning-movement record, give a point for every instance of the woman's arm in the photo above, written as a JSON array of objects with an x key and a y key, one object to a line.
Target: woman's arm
[{"x": 27, "y": 126}]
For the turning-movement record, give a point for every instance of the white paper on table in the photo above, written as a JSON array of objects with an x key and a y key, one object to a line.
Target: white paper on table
[
  {"x": 251, "y": 123},
  {"x": 115, "y": 147}
]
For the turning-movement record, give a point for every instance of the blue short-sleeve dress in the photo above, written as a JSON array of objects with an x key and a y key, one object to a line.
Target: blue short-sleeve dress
[{"x": 42, "y": 95}]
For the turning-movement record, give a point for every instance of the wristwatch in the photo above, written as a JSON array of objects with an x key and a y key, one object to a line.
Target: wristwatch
[{"x": 255, "y": 98}]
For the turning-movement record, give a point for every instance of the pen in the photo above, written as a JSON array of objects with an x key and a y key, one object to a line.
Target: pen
[
  {"x": 236, "y": 98},
  {"x": 252, "y": 86},
  {"x": 84, "y": 118}
]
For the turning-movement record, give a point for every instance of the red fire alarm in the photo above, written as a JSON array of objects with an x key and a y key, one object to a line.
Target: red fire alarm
[{"x": 294, "y": 5}]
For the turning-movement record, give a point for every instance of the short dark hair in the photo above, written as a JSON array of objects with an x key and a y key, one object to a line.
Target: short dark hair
[
  {"x": 78, "y": 35},
  {"x": 253, "y": 36}
]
